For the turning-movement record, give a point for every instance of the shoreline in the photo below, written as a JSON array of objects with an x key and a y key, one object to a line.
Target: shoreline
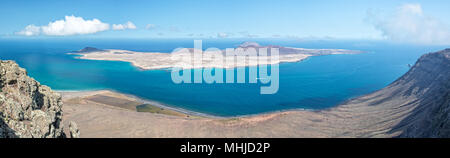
[
  {"x": 392, "y": 111},
  {"x": 87, "y": 93},
  {"x": 166, "y": 65},
  {"x": 167, "y": 106},
  {"x": 134, "y": 64},
  {"x": 244, "y": 56}
]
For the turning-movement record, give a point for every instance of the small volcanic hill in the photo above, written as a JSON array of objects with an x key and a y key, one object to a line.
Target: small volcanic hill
[{"x": 89, "y": 49}]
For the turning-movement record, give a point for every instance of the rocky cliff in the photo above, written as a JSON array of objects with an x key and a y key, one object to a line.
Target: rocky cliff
[
  {"x": 27, "y": 108},
  {"x": 415, "y": 105},
  {"x": 429, "y": 81}
]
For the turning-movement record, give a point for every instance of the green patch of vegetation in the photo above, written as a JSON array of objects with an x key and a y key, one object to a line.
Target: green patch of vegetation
[
  {"x": 154, "y": 109},
  {"x": 230, "y": 120}
]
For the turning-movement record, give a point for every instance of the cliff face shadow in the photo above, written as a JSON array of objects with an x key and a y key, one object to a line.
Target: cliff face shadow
[
  {"x": 429, "y": 82},
  {"x": 430, "y": 117},
  {"x": 5, "y": 130}
]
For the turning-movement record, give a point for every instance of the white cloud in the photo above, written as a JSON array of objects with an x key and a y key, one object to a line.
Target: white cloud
[
  {"x": 411, "y": 9},
  {"x": 72, "y": 25},
  {"x": 128, "y": 25},
  {"x": 409, "y": 24},
  {"x": 30, "y": 30}
]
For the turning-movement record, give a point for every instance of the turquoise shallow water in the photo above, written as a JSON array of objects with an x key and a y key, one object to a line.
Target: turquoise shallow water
[{"x": 316, "y": 83}]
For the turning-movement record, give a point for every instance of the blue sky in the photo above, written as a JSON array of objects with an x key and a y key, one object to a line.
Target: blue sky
[{"x": 338, "y": 19}]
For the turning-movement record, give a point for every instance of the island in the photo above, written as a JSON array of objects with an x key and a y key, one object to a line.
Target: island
[{"x": 246, "y": 54}]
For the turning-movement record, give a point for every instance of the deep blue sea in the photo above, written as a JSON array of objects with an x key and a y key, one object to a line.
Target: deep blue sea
[{"x": 315, "y": 83}]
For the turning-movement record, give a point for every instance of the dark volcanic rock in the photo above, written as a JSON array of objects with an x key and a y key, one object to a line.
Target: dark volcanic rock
[
  {"x": 27, "y": 108},
  {"x": 429, "y": 80}
]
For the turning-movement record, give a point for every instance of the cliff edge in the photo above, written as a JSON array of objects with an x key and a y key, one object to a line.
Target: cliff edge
[
  {"x": 27, "y": 108},
  {"x": 429, "y": 81}
]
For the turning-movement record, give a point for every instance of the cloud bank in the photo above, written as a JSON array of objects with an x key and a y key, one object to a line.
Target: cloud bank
[
  {"x": 128, "y": 25},
  {"x": 409, "y": 24},
  {"x": 72, "y": 25},
  {"x": 30, "y": 30}
]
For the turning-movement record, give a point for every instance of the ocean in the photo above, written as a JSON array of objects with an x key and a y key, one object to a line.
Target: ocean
[{"x": 316, "y": 83}]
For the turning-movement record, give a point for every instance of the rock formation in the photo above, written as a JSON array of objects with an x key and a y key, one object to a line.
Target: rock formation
[
  {"x": 73, "y": 129},
  {"x": 27, "y": 108},
  {"x": 415, "y": 105},
  {"x": 429, "y": 81}
]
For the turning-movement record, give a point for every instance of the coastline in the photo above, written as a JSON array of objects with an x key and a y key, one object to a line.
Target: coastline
[
  {"x": 306, "y": 123},
  {"x": 136, "y": 65},
  {"x": 243, "y": 56},
  {"x": 87, "y": 93},
  {"x": 166, "y": 106},
  {"x": 156, "y": 61},
  {"x": 70, "y": 94},
  {"x": 191, "y": 112},
  {"x": 388, "y": 112},
  {"x": 130, "y": 57}
]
